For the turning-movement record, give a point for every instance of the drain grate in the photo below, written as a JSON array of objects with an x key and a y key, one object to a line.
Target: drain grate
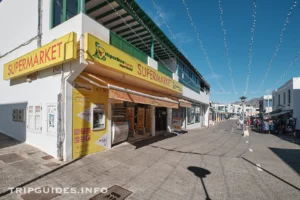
[
  {"x": 10, "y": 158},
  {"x": 51, "y": 164},
  {"x": 48, "y": 157},
  {"x": 114, "y": 193},
  {"x": 45, "y": 194}
]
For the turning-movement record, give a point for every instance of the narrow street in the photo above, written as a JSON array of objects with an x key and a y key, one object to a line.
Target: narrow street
[{"x": 214, "y": 163}]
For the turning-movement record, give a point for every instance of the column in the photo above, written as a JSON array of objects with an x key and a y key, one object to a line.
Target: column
[
  {"x": 152, "y": 113},
  {"x": 169, "y": 119}
]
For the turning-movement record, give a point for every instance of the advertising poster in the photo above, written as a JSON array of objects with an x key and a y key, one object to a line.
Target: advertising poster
[
  {"x": 176, "y": 123},
  {"x": 51, "y": 119},
  {"x": 87, "y": 136}
]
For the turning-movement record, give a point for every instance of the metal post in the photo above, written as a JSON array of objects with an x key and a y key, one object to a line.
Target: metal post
[
  {"x": 268, "y": 104},
  {"x": 152, "y": 48},
  {"x": 243, "y": 116}
]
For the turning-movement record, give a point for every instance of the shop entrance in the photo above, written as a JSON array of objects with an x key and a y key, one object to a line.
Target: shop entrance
[{"x": 160, "y": 119}]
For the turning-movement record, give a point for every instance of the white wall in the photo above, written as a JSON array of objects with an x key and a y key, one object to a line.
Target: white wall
[
  {"x": 193, "y": 96},
  {"x": 152, "y": 63}
]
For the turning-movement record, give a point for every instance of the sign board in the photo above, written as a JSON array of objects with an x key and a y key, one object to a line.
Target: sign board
[
  {"x": 98, "y": 51},
  {"x": 52, "y": 54},
  {"x": 176, "y": 123}
]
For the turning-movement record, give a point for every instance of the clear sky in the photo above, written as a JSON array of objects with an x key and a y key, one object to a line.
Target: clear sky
[{"x": 237, "y": 16}]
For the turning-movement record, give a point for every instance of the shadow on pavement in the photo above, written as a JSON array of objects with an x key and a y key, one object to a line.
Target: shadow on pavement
[
  {"x": 275, "y": 176},
  {"x": 151, "y": 140},
  {"x": 288, "y": 138},
  {"x": 6, "y": 141},
  {"x": 201, "y": 173},
  {"x": 289, "y": 156}
]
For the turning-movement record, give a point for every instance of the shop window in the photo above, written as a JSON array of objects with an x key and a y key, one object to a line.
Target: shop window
[
  {"x": 98, "y": 117},
  {"x": 190, "y": 115},
  {"x": 34, "y": 118},
  {"x": 62, "y": 10},
  {"x": 197, "y": 114}
]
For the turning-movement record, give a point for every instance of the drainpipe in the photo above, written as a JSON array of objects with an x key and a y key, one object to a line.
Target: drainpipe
[
  {"x": 83, "y": 6},
  {"x": 39, "y": 28},
  {"x": 152, "y": 48}
]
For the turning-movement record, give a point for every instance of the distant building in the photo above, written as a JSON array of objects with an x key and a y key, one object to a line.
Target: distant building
[
  {"x": 285, "y": 100},
  {"x": 266, "y": 104}
]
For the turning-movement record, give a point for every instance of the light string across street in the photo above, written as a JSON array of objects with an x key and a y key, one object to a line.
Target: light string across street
[
  {"x": 226, "y": 47},
  {"x": 251, "y": 45},
  {"x": 116, "y": 12},
  {"x": 288, "y": 69},
  {"x": 177, "y": 42},
  {"x": 278, "y": 45},
  {"x": 201, "y": 45}
]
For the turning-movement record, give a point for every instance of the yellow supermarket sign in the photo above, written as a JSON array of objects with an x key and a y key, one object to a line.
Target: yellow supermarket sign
[
  {"x": 98, "y": 51},
  {"x": 53, "y": 53}
]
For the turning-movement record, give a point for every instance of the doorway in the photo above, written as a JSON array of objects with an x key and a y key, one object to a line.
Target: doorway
[{"x": 160, "y": 119}]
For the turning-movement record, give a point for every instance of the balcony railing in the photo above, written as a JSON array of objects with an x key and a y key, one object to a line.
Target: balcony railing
[{"x": 128, "y": 48}]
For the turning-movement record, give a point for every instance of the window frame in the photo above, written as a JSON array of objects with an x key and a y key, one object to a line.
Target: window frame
[{"x": 64, "y": 11}]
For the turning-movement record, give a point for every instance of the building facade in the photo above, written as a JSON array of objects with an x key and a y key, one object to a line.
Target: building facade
[
  {"x": 85, "y": 75},
  {"x": 285, "y": 100},
  {"x": 266, "y": 104}
]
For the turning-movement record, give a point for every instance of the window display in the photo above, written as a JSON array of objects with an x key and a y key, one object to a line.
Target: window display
[{"x": 191, "y": 115}]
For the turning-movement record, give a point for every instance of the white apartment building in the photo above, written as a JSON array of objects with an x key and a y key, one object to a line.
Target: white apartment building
[
  {"x": 77, "y": 74},
  {"x": 266, "y": 104},
  {"x": 286, "y": 99}
]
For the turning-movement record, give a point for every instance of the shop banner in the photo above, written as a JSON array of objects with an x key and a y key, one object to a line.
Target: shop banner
[
  {"x": 97, "y": 50},
  {"x": 52, "y": 54},
  {"x": 185, "y": 104},
  {"x": 125, "y": 96}
]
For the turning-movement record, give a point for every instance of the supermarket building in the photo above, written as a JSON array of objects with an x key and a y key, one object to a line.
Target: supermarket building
[{"x": 80, "y": 76}]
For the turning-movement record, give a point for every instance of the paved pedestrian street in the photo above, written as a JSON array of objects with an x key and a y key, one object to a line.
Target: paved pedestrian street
[{"x": 208, "y": 163}]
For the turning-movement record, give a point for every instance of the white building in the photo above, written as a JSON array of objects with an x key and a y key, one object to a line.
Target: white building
[
  {"x": 286, "y": 100},
  {"x": 266, "y": 104},
  {"x": 75, "y": 76}
]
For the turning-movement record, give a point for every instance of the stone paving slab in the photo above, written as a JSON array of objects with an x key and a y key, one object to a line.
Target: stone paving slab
[{"x": 20, "y": 163}]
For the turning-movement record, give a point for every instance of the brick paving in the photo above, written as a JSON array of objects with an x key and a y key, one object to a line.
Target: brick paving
[{"x": 212, "y": 163}]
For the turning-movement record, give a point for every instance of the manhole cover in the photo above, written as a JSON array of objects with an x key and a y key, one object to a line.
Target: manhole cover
[
  {"x": 10, "y": 157},
  {"x": 48, "y": 157},
  {"x": 45, "y": 193},
  {"x": 113, "y": 193}
]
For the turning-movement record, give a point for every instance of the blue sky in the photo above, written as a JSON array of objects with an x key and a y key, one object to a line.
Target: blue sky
[{"x": 237, "y": 17}]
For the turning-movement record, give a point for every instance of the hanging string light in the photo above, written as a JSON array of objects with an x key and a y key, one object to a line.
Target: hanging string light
[
  {"x": 201, "y": 45},
  {"x": 159, "y": 13},
  {"x": 251, "y": 45},
  {"x": 288, "y": 69},
  {"x": 279, "y": 43},
  {"x": 226, "y": 47},
  {"x": 117, "y": 13}
]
